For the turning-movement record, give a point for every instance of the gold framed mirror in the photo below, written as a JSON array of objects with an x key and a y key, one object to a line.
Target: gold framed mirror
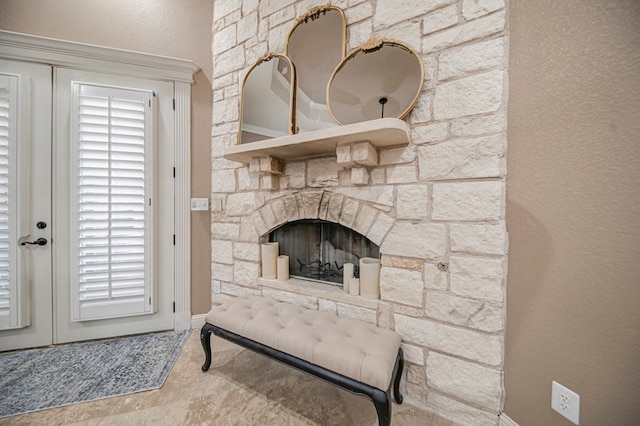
[
  {"x": 382, "y": 78},
  {"x": 267, "y": 102},
  {"x": 316, "y": 45}
]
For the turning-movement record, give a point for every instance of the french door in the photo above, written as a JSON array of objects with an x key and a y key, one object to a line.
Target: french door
[{"x": 87, "y": 232}]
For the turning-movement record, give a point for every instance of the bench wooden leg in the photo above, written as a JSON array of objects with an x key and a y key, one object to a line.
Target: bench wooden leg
[
  {"x": 382, "y": 402},
  {"x": 205, "y": 339}
]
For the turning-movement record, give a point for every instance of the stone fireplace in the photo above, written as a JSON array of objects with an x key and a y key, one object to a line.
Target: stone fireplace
[{"x": 433, "y": 208}]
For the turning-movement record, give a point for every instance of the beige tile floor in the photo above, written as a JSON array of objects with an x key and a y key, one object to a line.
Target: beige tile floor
[{"x": 241, "y": 388}]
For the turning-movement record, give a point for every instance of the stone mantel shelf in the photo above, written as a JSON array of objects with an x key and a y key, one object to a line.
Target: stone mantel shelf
[{"x": 383, "y": 132}]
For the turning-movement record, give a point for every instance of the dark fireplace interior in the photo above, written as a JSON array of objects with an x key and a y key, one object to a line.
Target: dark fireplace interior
[{"x": 318, "y": 249}]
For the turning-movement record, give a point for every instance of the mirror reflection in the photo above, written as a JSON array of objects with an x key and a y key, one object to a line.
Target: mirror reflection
[
  {"x": 316, "y": 45},
  {"x": 382, "y": 78},
  {"x": 268, "y": 99}
]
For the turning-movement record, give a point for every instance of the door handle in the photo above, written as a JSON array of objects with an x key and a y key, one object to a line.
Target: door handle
[{"x": 39, "y": 242}]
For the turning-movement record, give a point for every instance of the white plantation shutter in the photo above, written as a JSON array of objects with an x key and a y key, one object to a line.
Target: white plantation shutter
[
  {"x": 14, "y": 296},
  {"x": 112, "y": 139}
]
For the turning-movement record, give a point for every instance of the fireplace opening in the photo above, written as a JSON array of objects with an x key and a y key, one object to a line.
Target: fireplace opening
[{"x": 318, "y": 249}]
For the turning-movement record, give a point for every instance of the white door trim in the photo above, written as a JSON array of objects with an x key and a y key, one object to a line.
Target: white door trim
[{"x": 88, "y": 57}]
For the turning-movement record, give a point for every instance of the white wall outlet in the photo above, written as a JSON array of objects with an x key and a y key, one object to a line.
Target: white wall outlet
[
  {"x": 199, "y": 204},
  {"x": 566, "y": 402},
  {"x": 216, "y": 286}
]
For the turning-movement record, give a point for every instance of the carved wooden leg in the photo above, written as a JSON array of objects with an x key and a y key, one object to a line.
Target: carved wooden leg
[
  {"x": 205, "y": 339},
  {"x": 396, "y": 382},
  {"x": 382, "y": 402}
]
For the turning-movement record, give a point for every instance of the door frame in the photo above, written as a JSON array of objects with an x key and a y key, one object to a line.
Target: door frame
[{"x": 85, "y": 57}]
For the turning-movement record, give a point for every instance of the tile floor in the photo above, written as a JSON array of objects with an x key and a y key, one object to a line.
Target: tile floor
[{"x": 241, "y": 388}]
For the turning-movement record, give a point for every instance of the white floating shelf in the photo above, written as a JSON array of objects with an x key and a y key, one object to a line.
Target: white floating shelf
[{"x": 382, "y": 132}]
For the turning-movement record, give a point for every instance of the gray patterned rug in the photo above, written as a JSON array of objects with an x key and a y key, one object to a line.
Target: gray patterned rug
[{"x": 38, "y": 379}]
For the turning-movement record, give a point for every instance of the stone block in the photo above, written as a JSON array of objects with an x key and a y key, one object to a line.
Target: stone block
[
  {"x": 356, "y": 312},
  {"x": 327, "y": 306},
  {"x": 472, "y": 9},
  {"x": 323, "y": 172},
  {"x": 380, "y": 228},
  {"x": 478, "y": 238},
  {"x": 470, "y": 313},
  {"x": 463, "y": 61},
  {"x": 388, "y": 13},
  {"x": 223, "y": 181},
  {"x": 221, "y": 272},
  {"x": 224, "y": 39},
  {"x": 377, "y": 176},
  {"x": 222, "y": 251},
  {"x": 291, "y": 207},
  {"x": 238, "y": 290},
  {"x": 460, "y": 34},
  {"x": 343, "y": 155},
  {"x": 478, "y": 126},
  {"x": 246, "y": 180},
  {"x": 348, "y": 213},
  {"x": 282, "y": 16},
  {"x": 248, "y": 230},
  {"x": 247, "y": 27},
  {"x": 382, "y": 195},
  {"x": 296, "y": 172},
  {"x": 421, "y": 112},
  {"x": 479, "y": 278},
  {"x": 412, "y": 202},
  {"x": 402, "y": 262},
  {"x": 468, "y": 381},
  {"x": 470, "y": 344},
  {"x": 311, "y": 203},
  {"x": 468, "y": 201},
  {"x": 385, "y": 316},
  {"x": 267, "y": 7},
  {"x": 246, "y": 273},
  {"x": 409, "y": 32},
  {"x": 460, "y": 413},
  {"x": 416, "y": 374},
  {"x": 334, "y": 209},
  {"x": 226, "y": 62},
  {"x": 246, "y": 251},
  {"x": 269, "y": 182},
  {"x": 271, "y": 165},
  {"x": 413, "y": 354},
  {"x": 409, "y": 311},
  {"x": 359, "y": 176},
  {"x": 223, "y": 8},
  {"x": 420, "y": 240},
  {"x": 364, "y": 219},
  {"x": 258, "y": 223},
  {"x": 471, "y": 95},
  {"x": 402, "y": 174},
  {"x": 360, "y": 12},
  {"x": 359, "y": 33},
  {"x": 401, "y": 285},
  {"x": 440, "y": 19},
  {"x": 305, "y": 301},
  {"x": 397, "y": 155},
  {"x": 268, "y": 217},
  {"x": 429, "y": 133},
  {"x": 463, "y": 159},
  {"x": 225, "y": 231},
  {"x": 364, "y": 153},
  {"x": 241, "y": 203}
]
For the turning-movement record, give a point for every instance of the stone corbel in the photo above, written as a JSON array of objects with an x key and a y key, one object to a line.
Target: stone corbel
[
  {"x": 268, "y": 164},
  {"x": 358, "y": 156}
]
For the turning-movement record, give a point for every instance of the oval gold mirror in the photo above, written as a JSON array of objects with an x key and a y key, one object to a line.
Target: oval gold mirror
[
  {"x": 316, "y": 45},
  {"x": 267, "y": 106},
  {"x": 381, "y": 78}
]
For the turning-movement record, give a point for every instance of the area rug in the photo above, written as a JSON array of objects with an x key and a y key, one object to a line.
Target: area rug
[{"x": 38, "y": 379}]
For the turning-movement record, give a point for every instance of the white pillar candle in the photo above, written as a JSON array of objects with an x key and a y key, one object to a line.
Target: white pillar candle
[
  {"x": 354, "y": 286},
  {"x": 347, "y": 274},
  {"x": 269, "y": 253},
  {"x": 283, "y": 267},
  {"x": 370, "y": 278}
]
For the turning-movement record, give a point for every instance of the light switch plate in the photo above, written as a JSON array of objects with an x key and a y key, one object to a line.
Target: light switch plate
[{"x": 199, "y": 204}]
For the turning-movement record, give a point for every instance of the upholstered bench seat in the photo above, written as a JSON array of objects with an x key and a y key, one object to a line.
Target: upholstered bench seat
[{"x": 367, "y": 359}]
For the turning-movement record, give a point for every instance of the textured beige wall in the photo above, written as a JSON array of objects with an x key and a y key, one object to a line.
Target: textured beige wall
[
  {"x": 180, "y": 29},
  {"x": 573, "y": 203}
]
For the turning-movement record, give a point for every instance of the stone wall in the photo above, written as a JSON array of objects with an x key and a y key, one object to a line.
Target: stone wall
[{"x": 436, "y": 207}]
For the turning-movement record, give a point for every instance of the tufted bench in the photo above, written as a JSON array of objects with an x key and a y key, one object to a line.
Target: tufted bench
[{"x": 352, "y": 354}]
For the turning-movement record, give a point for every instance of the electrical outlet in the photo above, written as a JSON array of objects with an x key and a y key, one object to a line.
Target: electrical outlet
[
  {"x": 216, "y": 286},
  {"x": 566, "y": 402}
]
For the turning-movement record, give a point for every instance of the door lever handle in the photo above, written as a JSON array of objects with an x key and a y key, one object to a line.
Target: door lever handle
[{"x": 39, "y": 242}]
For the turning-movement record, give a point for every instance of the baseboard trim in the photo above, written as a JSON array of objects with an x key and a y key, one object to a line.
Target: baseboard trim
[
  {"x": 197, "y": 321},
  {"x": 506, "y": 421}
]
